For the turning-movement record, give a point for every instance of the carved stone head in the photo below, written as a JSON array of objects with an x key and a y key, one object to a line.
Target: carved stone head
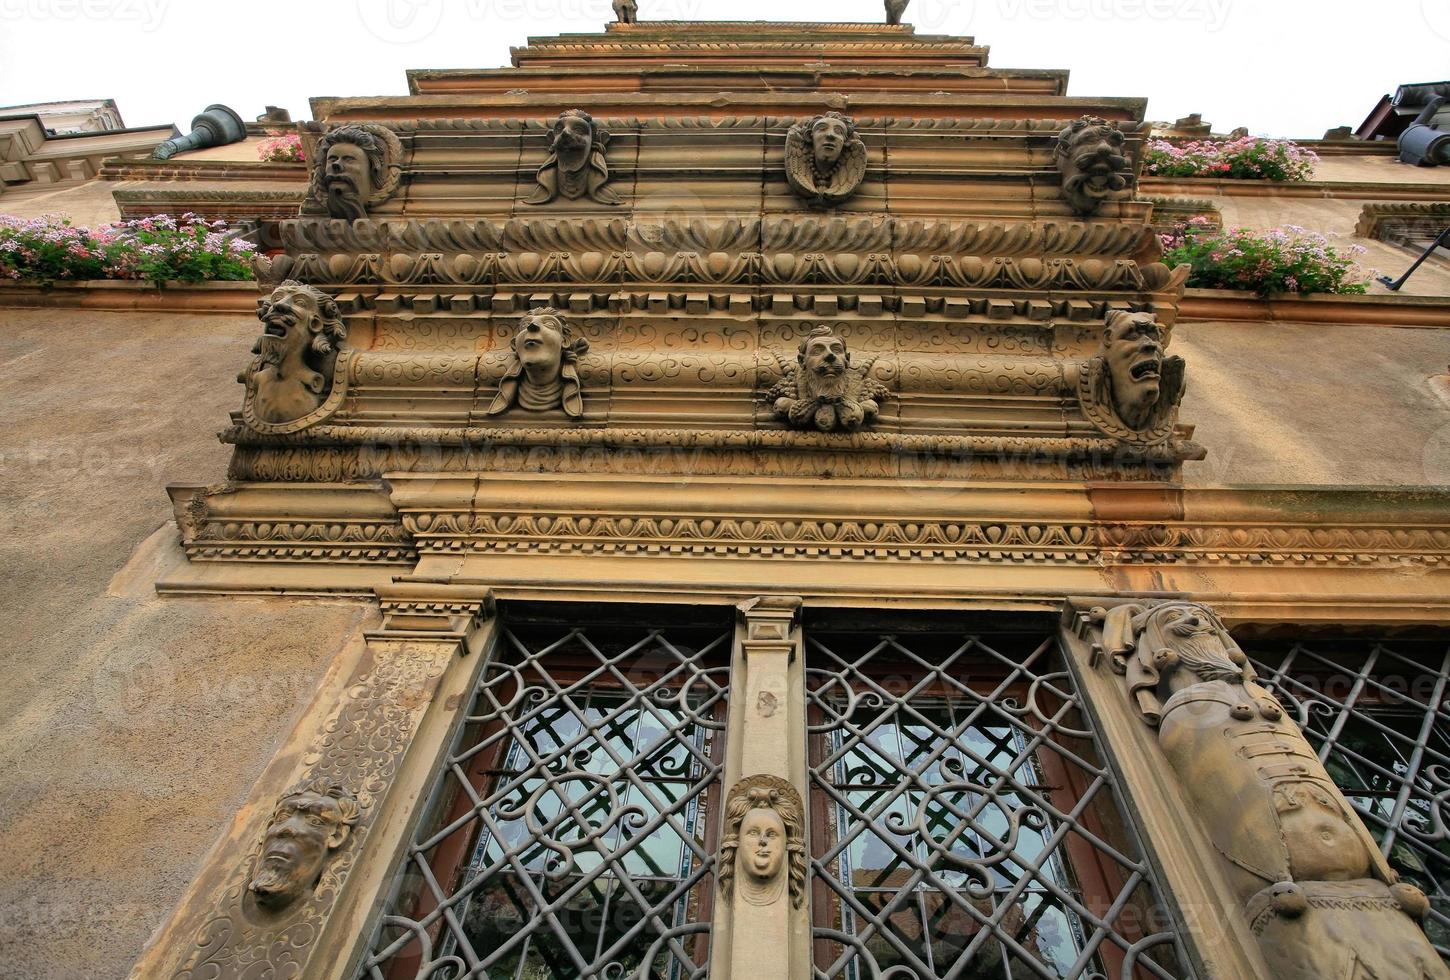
[
  {"x": 763, "y": 852},
  {"x": 1173, "y": 643},
  {"x": 575, "y": 166},
  {"x": 291, "y": 373},
  {"x": 545, "y": 374},
  {"x": 357, "y": 166},
  {"x": 1094, "y": 166},
  {"x": 823, "y": 391},
  {"x": 308, "y": 824},
  {"x": 825, "y": 161},
  {"x": 1130, "y": 390}
]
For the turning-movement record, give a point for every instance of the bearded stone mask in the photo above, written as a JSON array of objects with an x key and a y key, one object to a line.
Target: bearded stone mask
[
  {"x": 292, "y": 372},
  {"x": 825, "y": 359},
  {"x": 358, "y": 166},
  {"x": 307, "y": 826},
  {"x": 347, "y": 175}
]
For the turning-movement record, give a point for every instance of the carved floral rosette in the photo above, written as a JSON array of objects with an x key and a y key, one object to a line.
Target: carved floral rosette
[{"x": 315, "y": 203}]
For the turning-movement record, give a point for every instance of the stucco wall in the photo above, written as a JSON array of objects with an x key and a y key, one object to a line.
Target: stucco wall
[
  {"x": 1286, "y": 403},
  {"x": 131, "y": 726}
]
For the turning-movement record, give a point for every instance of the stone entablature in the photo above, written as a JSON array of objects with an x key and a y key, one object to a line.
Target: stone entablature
[{"x": 979, "y": 169}]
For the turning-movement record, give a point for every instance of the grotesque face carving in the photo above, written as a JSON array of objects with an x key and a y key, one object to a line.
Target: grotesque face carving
[
  {"x": 822, "y": 391},
  {"x": 763, "y": 850},
  {"x": 1130, "y": 390},
  {"x": 762, "y": 844},
  {"x": 829, "y": 134},
  {"x": 309, "y": 824},
  {"x": 353, "y": 169},
  {"x": 544, "y": 375},
  {"x": 825, "y": 161},
  {"x": 1094, "y": 166},
  {"x": 302, "y": 331},
  {"x": 575, "y": 167},
  {"x": 1133, "y": 350}
]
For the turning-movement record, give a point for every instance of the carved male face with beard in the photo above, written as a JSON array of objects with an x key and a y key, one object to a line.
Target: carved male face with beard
[
  {"x": 1196, "y": 644},
  {"x": 352, "y": 165},
  {"x": 308, "y": 825},
  {"x": 1133, "y": 352},
  {"x": 829, "y": 134},
  {"x": 824, "y": 360},
  {"x": 302, "y": 331}
]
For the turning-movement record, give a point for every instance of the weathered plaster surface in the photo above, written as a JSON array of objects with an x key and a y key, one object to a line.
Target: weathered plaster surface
[
  {"x": 131, "y": 727},
  {"x": 1315, "y": 404}
]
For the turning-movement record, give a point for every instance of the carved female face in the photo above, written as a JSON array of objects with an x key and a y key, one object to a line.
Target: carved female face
[
  {"x": 1133, "y": 349},
  {"x": 762, "y": 844},
  {"x": 540, "y": 346},
  {"x": 306, "y": 827},
  {"x": 828, "y": 141}
]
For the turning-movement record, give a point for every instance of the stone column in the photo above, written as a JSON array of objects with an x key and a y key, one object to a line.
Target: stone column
[
  {"x": 1258, "y": 845},
  {"x": 762, "y": 916},
  {"x": 292, "y": 888}
]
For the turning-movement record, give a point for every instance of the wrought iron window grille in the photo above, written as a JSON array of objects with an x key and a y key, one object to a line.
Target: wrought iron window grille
[
  {"x": 1379, "y": 717},
  {"x": 570, "y": 833},
  {"x": 965, "y": 825}
]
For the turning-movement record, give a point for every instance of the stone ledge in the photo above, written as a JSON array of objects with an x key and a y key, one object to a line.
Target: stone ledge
[
  {"x": 127, "y": 295},
  {"x": 1431, "y": 312},
  {"x": 1330, "y": 189}
]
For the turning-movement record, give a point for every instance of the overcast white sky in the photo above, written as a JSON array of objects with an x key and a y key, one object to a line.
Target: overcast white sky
[{"x": 1281, "y": 67}]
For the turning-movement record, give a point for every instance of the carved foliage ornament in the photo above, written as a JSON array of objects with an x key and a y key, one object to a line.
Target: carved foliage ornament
[
  {"x": 763, "y": 850},
  {"x": 298, "y": 376},
  {"x": 825, "y": 161},
  {"x": 545, "y": 372},
  {"x": 1316, "y": 888},
  {"x": 1129, "y": 390},
  {"x": 575, "y": 166},
  {"x": 1095, "y": 169},
  {"x": 358, "y": 165},
  {"x": 308, "y": 824},
  {"x": 822, "y": 391}
]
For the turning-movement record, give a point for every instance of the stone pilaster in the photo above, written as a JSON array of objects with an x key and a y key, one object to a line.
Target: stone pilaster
[
  {"x": 754, "y": 935},
  {"x": 374, "y": 737}
]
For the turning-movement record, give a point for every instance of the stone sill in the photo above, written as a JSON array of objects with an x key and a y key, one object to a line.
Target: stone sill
[
  {"x": 1379, "y": 310},
  {"x": 1369, "y": 190},
  {"x": 125, "y": 294}
]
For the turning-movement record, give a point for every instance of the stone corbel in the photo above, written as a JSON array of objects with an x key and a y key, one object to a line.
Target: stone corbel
[{"x": 363, "y": 760}]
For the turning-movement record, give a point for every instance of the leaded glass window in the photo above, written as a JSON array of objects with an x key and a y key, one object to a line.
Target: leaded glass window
[
  {"x": 1378, "y": 714},
  {"x": 572, "y": 833},
  {"x": 966, "y": 826}
]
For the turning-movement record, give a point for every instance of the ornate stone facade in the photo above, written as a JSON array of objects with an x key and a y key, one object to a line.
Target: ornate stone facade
[{"x": 688, "y": 347}]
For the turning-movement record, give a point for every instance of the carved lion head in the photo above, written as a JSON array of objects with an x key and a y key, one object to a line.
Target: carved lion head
[{"x": 1094, "y": 165}]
